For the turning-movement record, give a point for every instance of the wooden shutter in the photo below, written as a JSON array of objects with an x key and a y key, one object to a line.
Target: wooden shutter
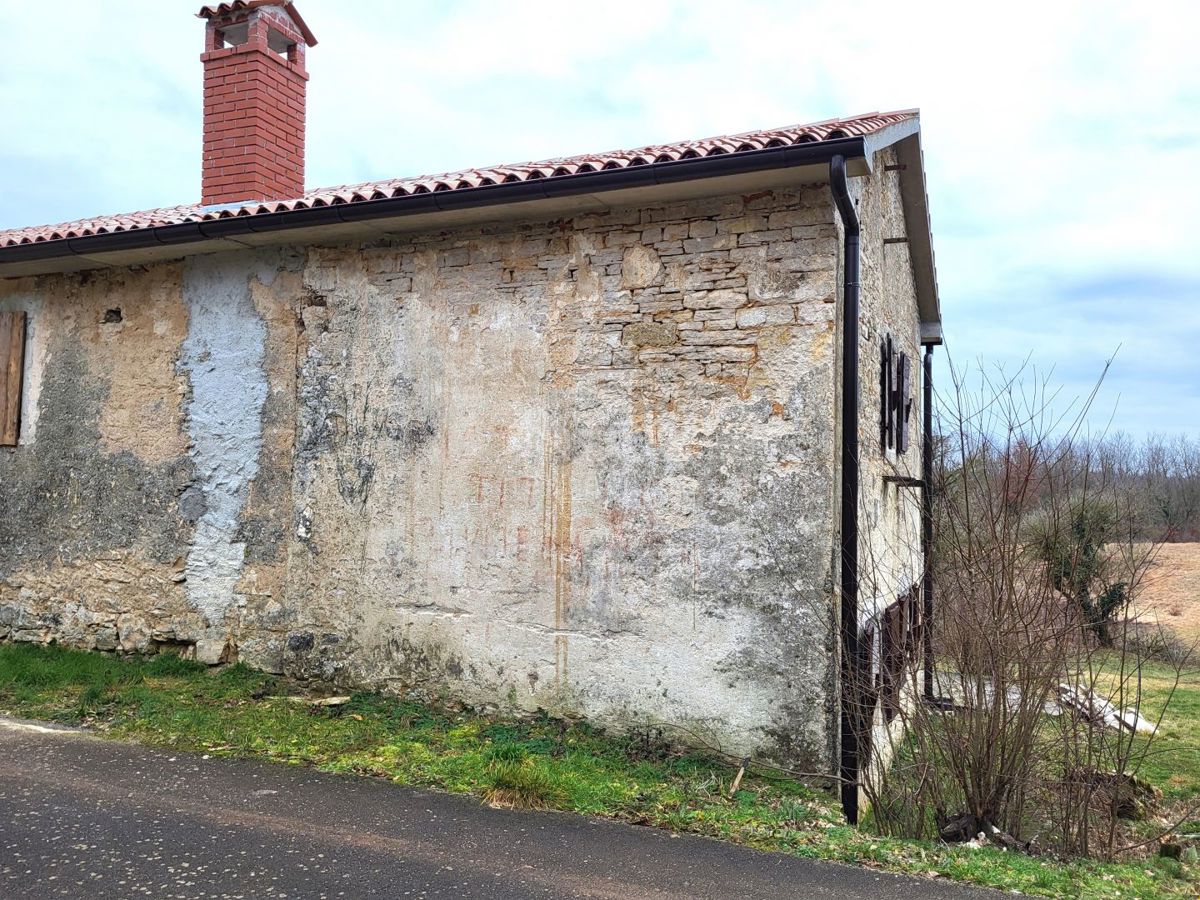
[
  {"x": 891, "y": 659},
  {"x": 12, "y": 367},
  {"x": 886, "y": 390}
]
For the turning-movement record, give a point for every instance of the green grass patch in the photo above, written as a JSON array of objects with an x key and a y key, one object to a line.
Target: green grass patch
[
  {"x": 1173, "y": 755},
  {"x": 540, "y": 762}
]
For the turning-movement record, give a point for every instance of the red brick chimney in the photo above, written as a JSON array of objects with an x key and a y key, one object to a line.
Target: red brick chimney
[{"x": 254, "y": 87}]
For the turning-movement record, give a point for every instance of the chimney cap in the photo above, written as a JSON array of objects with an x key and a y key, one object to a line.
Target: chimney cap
[{"x": 224, "y": 9}]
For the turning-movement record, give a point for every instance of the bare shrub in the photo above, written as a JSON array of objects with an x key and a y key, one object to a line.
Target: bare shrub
[
  {"x": 1152, "y": 640},
  {"x": 1036, "y": 557}
]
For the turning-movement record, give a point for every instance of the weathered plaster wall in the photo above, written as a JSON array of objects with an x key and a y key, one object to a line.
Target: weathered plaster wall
[
  {"x": 147, "y": 399},
  {"x": 584, "y": 466},
  {"x": 92, "y": 542},
  {"x": 224, "y": 356}
]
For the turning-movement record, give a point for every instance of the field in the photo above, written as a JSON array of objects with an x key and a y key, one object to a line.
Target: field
[{"x": 1170, "y": 593}]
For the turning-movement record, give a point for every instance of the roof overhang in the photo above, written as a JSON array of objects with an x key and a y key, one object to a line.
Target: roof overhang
[
  {"x": 336, "y": 223},
  {"x": 915, "y": 200},
  {"x": 666, "y": 181}
]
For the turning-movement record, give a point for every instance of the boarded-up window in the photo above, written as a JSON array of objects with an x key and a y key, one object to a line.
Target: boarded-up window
[
  {"x": 900, "y": 644},
  {"x": 12, "y": 368}
]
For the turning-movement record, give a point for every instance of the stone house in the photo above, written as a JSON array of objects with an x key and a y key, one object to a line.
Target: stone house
[{"x": 631, "y": 435}]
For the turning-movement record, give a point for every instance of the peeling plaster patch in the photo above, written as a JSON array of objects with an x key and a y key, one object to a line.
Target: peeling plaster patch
[{"x": 223, "y": 356}]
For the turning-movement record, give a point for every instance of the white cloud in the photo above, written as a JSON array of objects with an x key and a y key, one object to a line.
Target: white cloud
[{"x": 1062, "y": 139}]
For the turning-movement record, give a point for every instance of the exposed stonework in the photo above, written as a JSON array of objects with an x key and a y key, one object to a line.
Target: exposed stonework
[
  {"x": 889, "y": 513},
  {"x": 890, "y": 520},
  {"x": 586, "y": 465}
]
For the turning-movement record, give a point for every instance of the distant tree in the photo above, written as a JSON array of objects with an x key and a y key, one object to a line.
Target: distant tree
[{"x": 1072, "y": 547}]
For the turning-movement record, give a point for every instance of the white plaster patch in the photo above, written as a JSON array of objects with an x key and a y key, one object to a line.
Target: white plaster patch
[{"x": 223, "y": 357}]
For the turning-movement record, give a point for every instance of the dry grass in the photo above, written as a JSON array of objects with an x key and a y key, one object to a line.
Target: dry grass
[{"x": 1170, "y": 591}]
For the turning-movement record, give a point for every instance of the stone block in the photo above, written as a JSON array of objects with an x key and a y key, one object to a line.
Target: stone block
[
  {"x": 718, "y": 355},
  {"x": 660, "y": 304},
  {"x": 741, "y": 225},
  {"x": 809, "y": 215},
  {"x": 708, "y": 244},
  {"x": 133, "y": 634},
  {"x": 714, "y": 338},
  {"x": 211, "y": 652},
  {"x": 758, "y": 316},
  {"x": 640, "y": 267},
  {"x": 758, "y": 238},
  {"x": 106, "y": 638},
  {"x": 650, "y": 334},
  {"x": 718, "y": 299},
  {"x": 622, "y": 239}
]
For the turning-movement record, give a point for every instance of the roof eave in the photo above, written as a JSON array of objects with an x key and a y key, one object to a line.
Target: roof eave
[
  {"x": 660, "y": 173},
  {"x": 915, "y": 200}
]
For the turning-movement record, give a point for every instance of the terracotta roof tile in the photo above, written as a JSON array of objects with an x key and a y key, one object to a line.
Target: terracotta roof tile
[
  {"x": 224, "y": 9},
  {"x": 857, "y": 126}
]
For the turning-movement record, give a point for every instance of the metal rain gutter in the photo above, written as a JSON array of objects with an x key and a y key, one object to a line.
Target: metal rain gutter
[{"x": 662, "y": 173}]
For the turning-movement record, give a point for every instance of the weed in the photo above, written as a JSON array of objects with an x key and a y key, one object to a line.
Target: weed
[
  {"x": 92, "y": 697},
  {"x": 171, "y": 665},
  {"x": 525, "y": 785},
  {"x": 505, "y": 753}
]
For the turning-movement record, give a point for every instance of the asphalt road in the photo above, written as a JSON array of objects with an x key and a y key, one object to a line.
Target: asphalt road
[{"x": 81, "y": 817}]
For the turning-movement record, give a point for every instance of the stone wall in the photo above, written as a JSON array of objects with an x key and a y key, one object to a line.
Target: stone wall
[
  {"x": 585, "y": 465},
  {"x": 889, "y": 514},
  {"x": 147, "y": 503},
  {"x": 582, "y": 465}
]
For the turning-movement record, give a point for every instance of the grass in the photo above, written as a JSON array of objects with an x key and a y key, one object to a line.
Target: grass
[
  {"x": 1173, "y": 760},
  {"x": 542, "y": 762}
]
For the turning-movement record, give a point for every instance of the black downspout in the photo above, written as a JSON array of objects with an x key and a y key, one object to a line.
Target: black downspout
[
  {"x": 849, "y": 501},
  {"x": 927, "y": 523}
]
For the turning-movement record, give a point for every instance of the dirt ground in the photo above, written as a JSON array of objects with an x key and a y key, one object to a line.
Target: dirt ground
[{"x": 1171, "y": 590}]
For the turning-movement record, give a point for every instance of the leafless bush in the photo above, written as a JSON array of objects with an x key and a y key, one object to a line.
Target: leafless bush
[
  {"x": 1153, "y": 640},
  {"x": 1037, "y": 554}
]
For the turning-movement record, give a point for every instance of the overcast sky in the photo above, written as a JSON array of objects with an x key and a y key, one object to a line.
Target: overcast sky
[{"x": 1062, "y": 140}]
